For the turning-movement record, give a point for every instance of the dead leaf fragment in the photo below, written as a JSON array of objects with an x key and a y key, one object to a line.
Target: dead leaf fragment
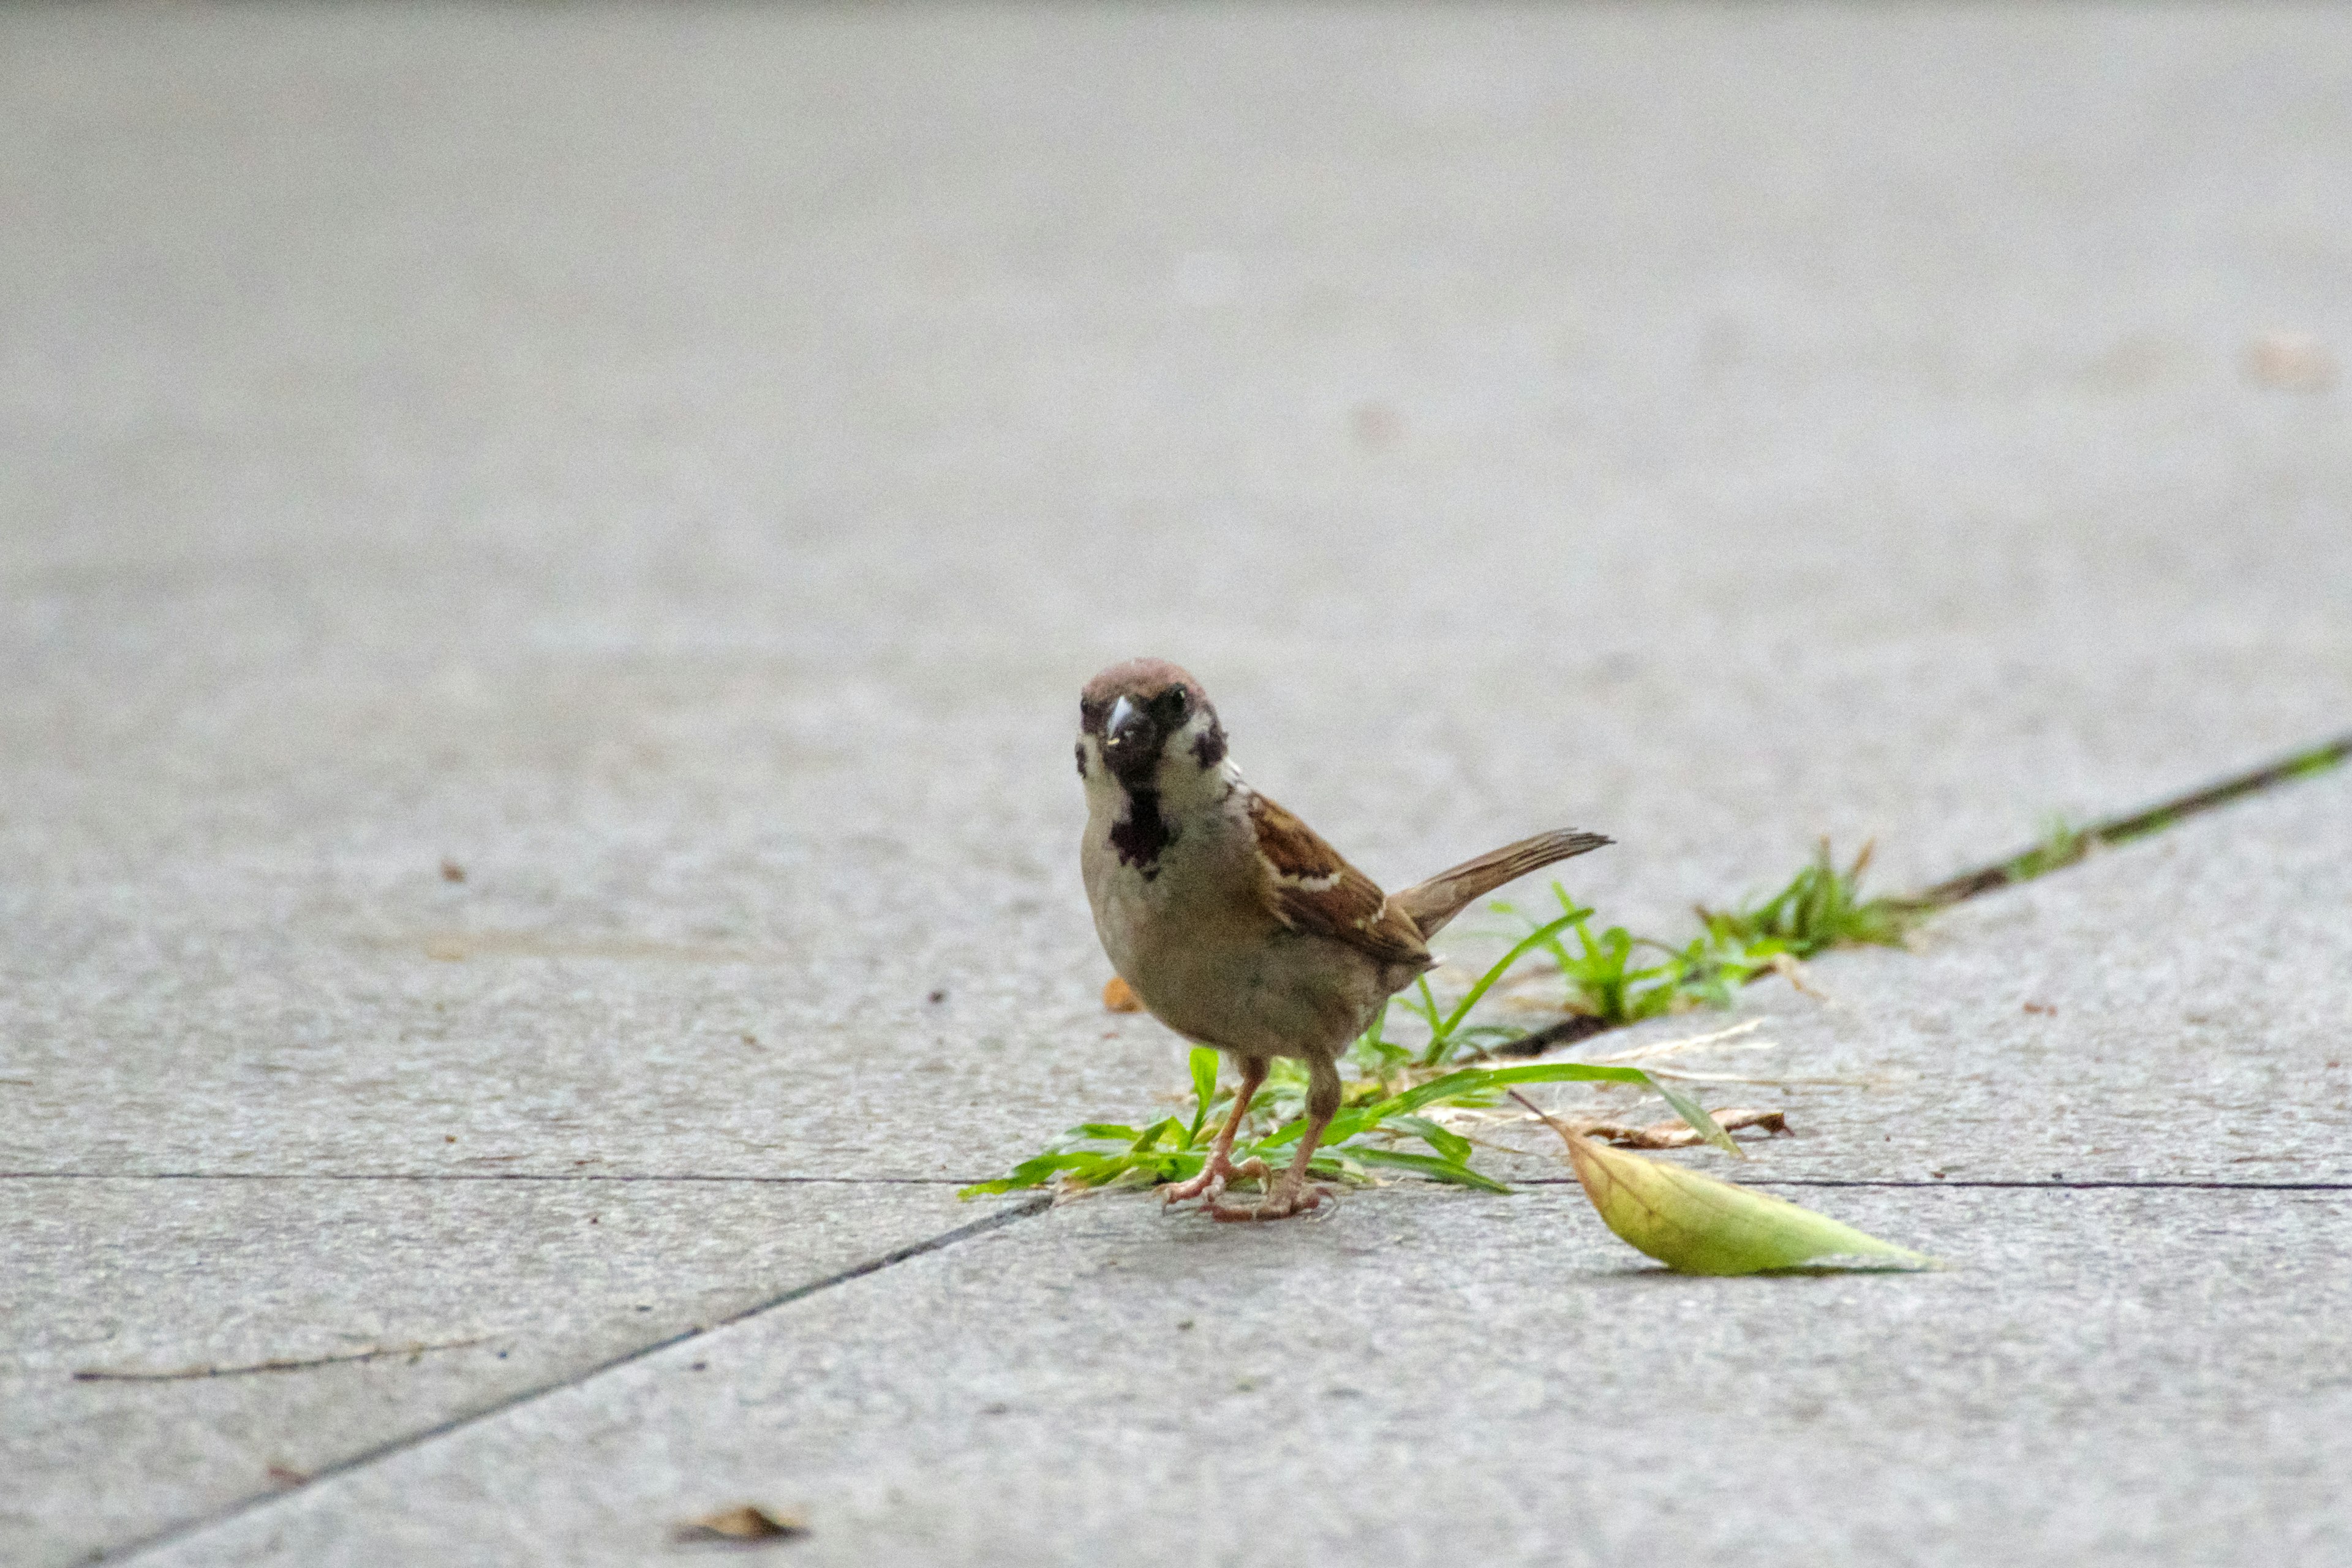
[
  {"x": 1786, "y": 965},
  {"x": 2291, "y": 362},
  {"x": 1680, "y": 1135},
  {"x": 452, "y": 872},
  {"x": 745, "y": 1521},
  {"x": 1120, "y": 998}
]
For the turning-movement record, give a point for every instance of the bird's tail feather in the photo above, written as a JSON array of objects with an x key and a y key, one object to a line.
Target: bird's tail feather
[{"x": 1437, "y": 901}]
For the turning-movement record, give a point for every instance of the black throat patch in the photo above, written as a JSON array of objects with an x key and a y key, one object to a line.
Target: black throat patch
[{"x": 1146, "y": 832}]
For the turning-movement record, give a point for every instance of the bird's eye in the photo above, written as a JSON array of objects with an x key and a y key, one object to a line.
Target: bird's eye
[{"x": 1171, "y": 708}]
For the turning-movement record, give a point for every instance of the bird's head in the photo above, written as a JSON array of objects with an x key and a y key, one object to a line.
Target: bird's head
[{"x": 1148, "y": 726}]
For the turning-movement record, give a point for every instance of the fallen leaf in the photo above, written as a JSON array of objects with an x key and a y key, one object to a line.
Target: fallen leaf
[
  {"x": 1120, "y": 998},
  {"x": 2292, "y": 362},
  {"x": 1786, "y": 965},
  {"x": 452, "y": 872},
  {"x": 745, "y": 1521},
  {"x": 1694, "y": 1224}
]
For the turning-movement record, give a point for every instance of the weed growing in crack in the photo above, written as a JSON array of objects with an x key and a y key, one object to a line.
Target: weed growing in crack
[
  {"x": 2062, "y": 845},
  {"x": 2316, "y": 761},
  {"x": 1821, "y": 908}
]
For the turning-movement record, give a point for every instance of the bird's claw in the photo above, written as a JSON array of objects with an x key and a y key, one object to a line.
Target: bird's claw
[
  {"x": 1280, "y": 1204},
  {"x": 1210, "y": 1184}
]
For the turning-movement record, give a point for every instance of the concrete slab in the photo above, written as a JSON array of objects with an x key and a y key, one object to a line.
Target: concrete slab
[
  {"x": 588, "y": 451},
  {"x": 520, "y": 1284},
  {"x": 2170, "y": 1011},
  {"x": 677, "y": 466},
  {"x": 2103, "y": 1377}
]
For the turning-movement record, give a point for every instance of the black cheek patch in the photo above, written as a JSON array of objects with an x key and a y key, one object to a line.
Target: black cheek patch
[
  {"x": 1082, "y": 759},
  {"x": 1144, "y": 834},
  {"x": 1209, "y": 746}
]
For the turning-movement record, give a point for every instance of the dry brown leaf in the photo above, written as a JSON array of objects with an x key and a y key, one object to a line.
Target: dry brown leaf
[
  {"x": 1120, "y": 998},
  {"x": 1786, "y": 965},
  {"x": 745, "y": 1521},
  {"x": 1681, "y": 1134},
  {"x": 2292, "y": 362}
]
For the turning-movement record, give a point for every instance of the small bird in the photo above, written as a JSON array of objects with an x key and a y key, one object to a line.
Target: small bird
[{"x": 1236, "y": 925}]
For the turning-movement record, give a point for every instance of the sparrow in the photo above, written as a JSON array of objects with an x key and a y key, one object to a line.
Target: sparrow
[{"x": 1233, "y": 922}]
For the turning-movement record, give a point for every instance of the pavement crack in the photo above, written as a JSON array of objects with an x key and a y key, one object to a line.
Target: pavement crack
[
  {"x": 281, "y": 1363},
  {"x": 1009, "y": 1215},
  {"x": 2036, "y": 860}
]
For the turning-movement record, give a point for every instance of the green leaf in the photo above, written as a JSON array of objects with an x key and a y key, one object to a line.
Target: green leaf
[
  {"x": 1107, "y": 1132},
  {"x": 1694, "y": 1224},
  {"x": 1031, "y": 1173},
  {"x": 1436, "y": 1170},
  {"x": 1684, "y": 1105},
  {"x": 1688, "y": 1107},
  {"x": 1203, "y": 1063},
  {"x": 1431, "y": 1167},
  {"x": 1149, "y": 1137},
  {"x": 1537, "y": 938},
  {"x": 1449, "y": 1144}
]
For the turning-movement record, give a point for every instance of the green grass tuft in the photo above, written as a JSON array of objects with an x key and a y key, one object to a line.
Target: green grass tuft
[{"x": 1821, "y": 908}]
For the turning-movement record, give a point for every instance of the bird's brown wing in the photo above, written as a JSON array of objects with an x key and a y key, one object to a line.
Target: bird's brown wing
[{"x": 1311, "y": 888}]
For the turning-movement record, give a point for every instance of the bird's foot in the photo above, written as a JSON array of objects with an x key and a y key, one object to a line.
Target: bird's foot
[
  {"x": 1287, "y": 1198},
  {"x": 1211, "y": 1181}
]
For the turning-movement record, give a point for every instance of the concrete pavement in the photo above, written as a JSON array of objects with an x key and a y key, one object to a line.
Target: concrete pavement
[{"x": 675, "y": 467}]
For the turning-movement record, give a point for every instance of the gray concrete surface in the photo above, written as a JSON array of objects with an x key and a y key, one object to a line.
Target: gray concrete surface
[
  {"x": 1437, "y": 1378},
  {"x": 678, "y": 465},
  {"x": 405, "y": 502},
  {"x": 527, "y": 1283},
  {"x": 2170, "y": 1011}
]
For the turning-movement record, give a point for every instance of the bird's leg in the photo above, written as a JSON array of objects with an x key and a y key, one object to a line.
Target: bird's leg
[
  {"x": 1290, "y": 1192},
  {"x": 1220, "y": 1168}
]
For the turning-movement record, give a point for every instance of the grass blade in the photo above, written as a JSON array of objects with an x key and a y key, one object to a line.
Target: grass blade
[
  {"x": 1203, "y": 1063},
  {"x": 1449, "y": 1144},
  {"x": 1428, "y": 1165}
]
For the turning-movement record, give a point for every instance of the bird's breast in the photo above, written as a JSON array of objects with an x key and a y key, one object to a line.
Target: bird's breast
[{"x": 1197, "y": 943}]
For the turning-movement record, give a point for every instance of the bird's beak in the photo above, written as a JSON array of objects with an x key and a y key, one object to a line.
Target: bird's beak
[{"x": 1125, "y": 728}]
